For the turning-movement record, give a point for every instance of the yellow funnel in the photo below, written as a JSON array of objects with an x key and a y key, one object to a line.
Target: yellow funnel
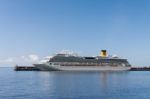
[{"x": 103, "y": 53}]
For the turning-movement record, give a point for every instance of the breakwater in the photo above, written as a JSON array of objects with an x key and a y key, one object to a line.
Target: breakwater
[
  {"x": 32, "y": 68},
  {"x": 140, "y": 69},
  {"x": 25, "y": 68}
]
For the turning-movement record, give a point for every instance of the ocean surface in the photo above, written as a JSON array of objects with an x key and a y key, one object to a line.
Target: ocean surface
[{"x": 74, "y": 85}]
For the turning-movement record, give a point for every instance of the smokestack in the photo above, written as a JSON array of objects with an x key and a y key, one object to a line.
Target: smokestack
[{"x": 103, "y": 53}]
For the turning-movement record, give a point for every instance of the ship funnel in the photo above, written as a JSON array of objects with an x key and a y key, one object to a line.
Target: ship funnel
[{"x": 103, "y": 53}]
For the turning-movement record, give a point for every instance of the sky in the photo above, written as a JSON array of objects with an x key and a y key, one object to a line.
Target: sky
[{"x": 33, "y": 29}]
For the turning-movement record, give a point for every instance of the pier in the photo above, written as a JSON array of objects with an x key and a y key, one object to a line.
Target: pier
[
  {"x": 33, "y": 68},
  {"x": 25, "y": 68},
  {"x": 140, "y": 69}
]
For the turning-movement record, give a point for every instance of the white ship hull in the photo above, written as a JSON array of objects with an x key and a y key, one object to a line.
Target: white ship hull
[{"x": 48, "y": 67}]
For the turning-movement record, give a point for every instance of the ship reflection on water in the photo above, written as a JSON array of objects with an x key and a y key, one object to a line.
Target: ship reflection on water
[
  {"x": 103, "y": 79},
  {"x": 81, "y": 84}
]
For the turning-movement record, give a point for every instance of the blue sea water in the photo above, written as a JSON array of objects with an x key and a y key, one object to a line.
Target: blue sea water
[{"x": 74, "y": 85}]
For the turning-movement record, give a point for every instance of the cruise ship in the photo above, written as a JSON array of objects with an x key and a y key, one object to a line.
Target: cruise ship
[{"x": 68, "y": 61}]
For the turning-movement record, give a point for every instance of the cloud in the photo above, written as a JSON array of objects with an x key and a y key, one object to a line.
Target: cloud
[
  {"x": 21, "y": 60},
  {"x": 33, "y": 58},
  {"x": 30, "y": 58},
  {"x": 8, "y": 60}
]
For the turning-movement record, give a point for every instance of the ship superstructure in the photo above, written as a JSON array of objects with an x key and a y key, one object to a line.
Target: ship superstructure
[{"x": 71, "y": 61}]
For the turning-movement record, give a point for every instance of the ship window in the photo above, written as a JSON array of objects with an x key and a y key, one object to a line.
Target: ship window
[{"x": 89, "y": 57}]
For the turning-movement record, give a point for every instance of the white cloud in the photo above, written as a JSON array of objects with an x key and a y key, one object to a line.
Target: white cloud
[
  {"x": 8, "y": 60},
  {"x": 33, "y": 58},
  {"x": 21, "y": 60},
  {"x": 30, "y": 58},
  {"x": 24, "y": 58}
]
